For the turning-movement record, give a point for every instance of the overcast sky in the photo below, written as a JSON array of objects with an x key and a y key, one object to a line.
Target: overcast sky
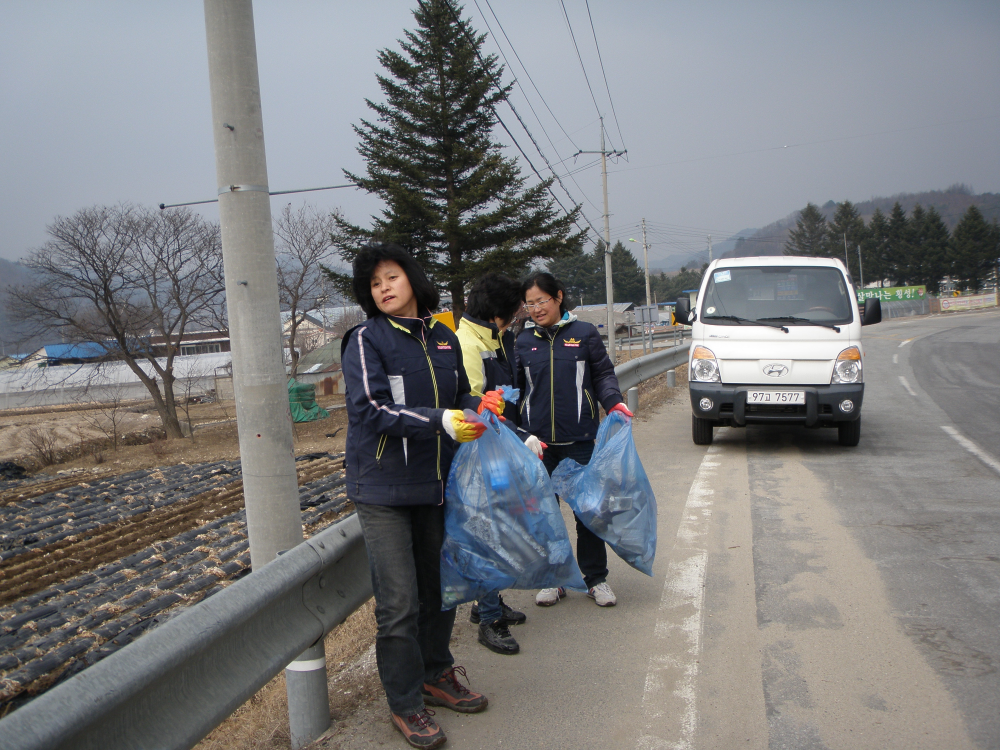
[{"x": 734, "y": 114}]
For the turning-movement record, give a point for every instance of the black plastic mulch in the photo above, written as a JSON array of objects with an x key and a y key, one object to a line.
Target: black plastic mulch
[{"x": 55, "y": 633}]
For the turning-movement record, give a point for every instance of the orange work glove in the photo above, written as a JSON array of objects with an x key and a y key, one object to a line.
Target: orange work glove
[
  {"x": 623, "y": 409},
  {"x": 492, "y": 400}
]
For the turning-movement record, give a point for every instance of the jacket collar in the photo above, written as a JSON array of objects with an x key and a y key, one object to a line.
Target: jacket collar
[
  {"x": 552, "y": 332},
  {"x": 418, "y": 327}
]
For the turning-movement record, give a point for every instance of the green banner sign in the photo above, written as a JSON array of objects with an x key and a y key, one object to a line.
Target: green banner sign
[{"x": 893, "y": 293}]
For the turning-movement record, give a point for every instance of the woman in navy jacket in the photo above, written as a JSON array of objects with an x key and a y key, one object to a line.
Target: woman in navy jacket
[
  {"x": 405, "y": 389},
  {"x": 564, "y": 373}
]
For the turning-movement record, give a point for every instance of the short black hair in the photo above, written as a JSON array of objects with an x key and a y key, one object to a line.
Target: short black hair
[
  {"x": 494, "y": 296},
  {"x": 370, "y": 256},
  {"x": 548, "y": 284}
]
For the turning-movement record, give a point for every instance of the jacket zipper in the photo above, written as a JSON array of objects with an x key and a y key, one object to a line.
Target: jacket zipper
[
  {"x": 593, "y": 412},
  {"x": 552, "y": 385},
  {"x": 437, "y": 402}
]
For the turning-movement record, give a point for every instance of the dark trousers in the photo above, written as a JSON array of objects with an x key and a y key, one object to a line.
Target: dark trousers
[
  {"x": 591, "y": 553},
  {"x": 404, "y": 554}
]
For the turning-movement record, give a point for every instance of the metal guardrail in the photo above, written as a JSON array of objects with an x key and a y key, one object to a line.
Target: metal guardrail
[
  {"x": 174, "y": 685},
  {"x": 171, "y": 687},
  {"x": 635, "y": 371}
]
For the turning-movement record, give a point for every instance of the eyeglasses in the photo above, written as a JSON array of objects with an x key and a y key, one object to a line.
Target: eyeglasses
[{"x": 538, "y": 304}]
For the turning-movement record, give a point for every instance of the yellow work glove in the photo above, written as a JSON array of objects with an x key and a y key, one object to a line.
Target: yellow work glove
[{"x": 461, "y": 431}]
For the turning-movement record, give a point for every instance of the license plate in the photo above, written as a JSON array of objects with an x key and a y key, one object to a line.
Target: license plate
[{"x": 776, "y": 397}]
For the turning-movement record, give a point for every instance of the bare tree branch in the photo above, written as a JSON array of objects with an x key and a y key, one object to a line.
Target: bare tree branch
[
  {"x": 302, "y": 243},
  {"x": 116, "y": 276}
]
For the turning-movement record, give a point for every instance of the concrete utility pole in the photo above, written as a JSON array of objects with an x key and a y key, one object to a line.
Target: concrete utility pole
[
  {"x": 709, "y": 248},
  {"x": 270, "y": 483},
  {"x": 645, "y": 258},
  {"x": 607, "y": 242}
]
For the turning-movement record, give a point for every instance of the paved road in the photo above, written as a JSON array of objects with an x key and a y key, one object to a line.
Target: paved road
[{"x": 806, "y": 595}]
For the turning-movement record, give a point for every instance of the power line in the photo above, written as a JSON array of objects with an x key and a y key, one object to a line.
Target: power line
[
  {"x": 528, "y": 101},
  {"x": 537, "y": 118},
  {"x": 276, "y": 192},
  {"x": 510, "y": 104},
  {"x": 518, "y": 57},
  {"x": 606, "y": 86},
  {"x": 580, "y": 58}
]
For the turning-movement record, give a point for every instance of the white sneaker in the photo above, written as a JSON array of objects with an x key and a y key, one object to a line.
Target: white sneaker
[
  {"x": 548, "y": 597},
  {"x": 602, "y": 594}
]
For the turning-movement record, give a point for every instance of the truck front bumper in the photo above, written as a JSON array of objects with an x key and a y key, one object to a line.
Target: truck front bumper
[{"x": 825, "y": 404}]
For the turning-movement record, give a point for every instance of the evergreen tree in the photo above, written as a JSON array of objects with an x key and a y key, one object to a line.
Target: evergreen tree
[
  {"x": 809, "y": 235},
  {"x": 974, "y": 249},
  {"x": 916, "y": 248},
  {"x": 935, "y": 251},
  {"x": 451, "y": 197},
  {"x": 897, "y": 246},
  {"x": 628, "y": 279},
  {"x": 668, "y": 288},
  {"x": 582, "y": 274},
  {"x": 846, "y": 232},
  {"x": 876, "y": 247}
]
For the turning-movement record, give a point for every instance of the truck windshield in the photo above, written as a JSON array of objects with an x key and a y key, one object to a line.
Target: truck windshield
[{"x": 793, "y": 296}]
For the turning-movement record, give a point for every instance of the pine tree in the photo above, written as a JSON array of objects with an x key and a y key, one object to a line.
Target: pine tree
[
  {"x": 628, "y": 279},
  {"x": 974, "y": 249},
  {"x": 936, "y": 258},
  {"x": 875, "y": 248},
  {"x": 582, "y": 274},
  {"x": 451, "y": 197},
  {"x": 846, "y": 232},
  {"x": 916, "y": 246},
  {"x": 809, "y": 234},
  {"x": 897, "y": 245}
]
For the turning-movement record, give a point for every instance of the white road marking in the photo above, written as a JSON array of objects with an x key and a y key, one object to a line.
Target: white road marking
[
  {"x": 974, "y": 449},
  {"x": 895, "y": 359},
  {"x": 679, "y": 621},
  {"x": 907, "y": 386},
  {"x": 904, "y": 343}
]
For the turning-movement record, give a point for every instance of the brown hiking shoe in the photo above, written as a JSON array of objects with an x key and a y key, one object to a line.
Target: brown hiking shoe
[
  {"x": 419, "y": 729},
  {"x": 447, "y": 691}
]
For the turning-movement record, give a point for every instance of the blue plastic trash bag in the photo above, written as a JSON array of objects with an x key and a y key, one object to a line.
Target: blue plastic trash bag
[
  {"x": 611, "y": 495},
  {"x": 510, "y": 395},
  {"x": 502, "y": 525}
]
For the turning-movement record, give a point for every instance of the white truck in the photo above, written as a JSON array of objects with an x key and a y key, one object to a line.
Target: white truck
[{"x": 776, "y": 340}]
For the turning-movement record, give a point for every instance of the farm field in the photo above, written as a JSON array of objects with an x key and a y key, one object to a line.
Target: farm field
[{"x": 96, "y": 550}]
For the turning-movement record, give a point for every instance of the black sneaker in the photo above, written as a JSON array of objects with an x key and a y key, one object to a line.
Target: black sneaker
[
  {"x": 508, "y": 615},
  {"x": 496, "y": 637}
]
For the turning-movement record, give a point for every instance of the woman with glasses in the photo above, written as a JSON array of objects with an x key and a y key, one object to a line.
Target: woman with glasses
[
  {"x": 406, "y": 388},
  {"x": 564, "y": 372}
]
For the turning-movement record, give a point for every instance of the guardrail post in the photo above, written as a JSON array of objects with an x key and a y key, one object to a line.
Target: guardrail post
[
  {"x": 308, "y": 696},
  {"x": 671, "y": 379},
  {"x": 633, "y": 399}
]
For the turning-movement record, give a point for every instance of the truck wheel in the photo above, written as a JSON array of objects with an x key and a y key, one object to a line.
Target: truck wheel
[
  {"x": 701, "y": 431},
  {"x": 849, "y": 433}
]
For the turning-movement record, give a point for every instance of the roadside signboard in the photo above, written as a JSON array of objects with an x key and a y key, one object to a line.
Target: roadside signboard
[{"x": 893, "y": 293}]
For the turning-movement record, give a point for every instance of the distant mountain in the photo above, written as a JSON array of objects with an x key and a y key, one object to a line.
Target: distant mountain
[
  {"x": 13, "y": 340},
  {"x": 723, "y": 249},
  {"x": 951, "y": 204}
]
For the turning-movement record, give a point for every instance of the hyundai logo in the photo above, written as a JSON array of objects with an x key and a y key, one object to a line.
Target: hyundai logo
[{"x": 774, "y": 370}]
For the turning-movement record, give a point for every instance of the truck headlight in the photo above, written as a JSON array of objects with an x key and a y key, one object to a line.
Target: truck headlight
[
  {"x": 848, "y": 367},
  {"x": 704, "y": 368}
]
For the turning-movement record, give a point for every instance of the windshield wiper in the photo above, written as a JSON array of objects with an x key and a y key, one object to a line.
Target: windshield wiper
[
  {"x": 741, "y": 321},
  {"x": 791, "y": 319}
]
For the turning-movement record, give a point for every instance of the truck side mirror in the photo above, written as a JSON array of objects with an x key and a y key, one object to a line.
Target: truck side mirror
[
  {"x": 872, "y": 313},
  {"x": 682, "y": 311}
]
